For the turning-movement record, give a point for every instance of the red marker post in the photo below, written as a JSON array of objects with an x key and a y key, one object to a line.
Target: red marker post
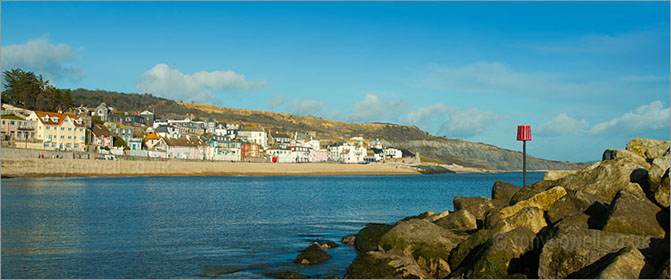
[{"x": 524, "y": 135}]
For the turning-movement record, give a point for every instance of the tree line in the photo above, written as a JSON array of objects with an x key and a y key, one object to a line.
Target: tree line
[{"x": 31, "y": 91}]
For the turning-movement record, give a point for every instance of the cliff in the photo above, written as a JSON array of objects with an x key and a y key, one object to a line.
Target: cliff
[{"x": 449, "y": 151}]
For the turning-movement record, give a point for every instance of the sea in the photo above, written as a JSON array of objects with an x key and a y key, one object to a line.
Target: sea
[{"x": 209, "y": 226}]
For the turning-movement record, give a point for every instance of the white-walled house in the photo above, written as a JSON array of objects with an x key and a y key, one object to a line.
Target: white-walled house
[
  {"x": 347, "y": 153},
  {"x": 392, "y": 153},
  {"x": 255, "y": 136},
  {"x": 319, "y": 155}
]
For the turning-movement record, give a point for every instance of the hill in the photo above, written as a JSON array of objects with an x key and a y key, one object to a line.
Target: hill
[{"x": 456, "y": 151}]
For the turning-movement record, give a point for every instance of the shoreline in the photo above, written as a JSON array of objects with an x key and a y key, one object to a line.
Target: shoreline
[
  {"x": 59, "y": 168},
  {"x": 41, "y": 168}
]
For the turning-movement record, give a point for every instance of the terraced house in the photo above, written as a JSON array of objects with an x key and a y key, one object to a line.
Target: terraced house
[{"x": 59, "y": 131}]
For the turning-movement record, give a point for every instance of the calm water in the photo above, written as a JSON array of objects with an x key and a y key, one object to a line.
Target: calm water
[{"x": 188, "y": 227}]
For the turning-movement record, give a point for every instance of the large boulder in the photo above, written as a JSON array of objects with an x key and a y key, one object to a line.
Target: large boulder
[
  {"x": 313, "y": 254},
  {"x": 542, "y": 201},
  {"x": 640, "y": 146},
  {"x": 437, "y": 216},
  {"x": 657, "y": 151},
  {"x": 662, "y": 192},
  {"x": 572, "y": 251},
  {"x": 573, "y": 222},
  {"x": 530, "y": 218},
  {"x": 557, "y": 174},
  {"x": 533, "y": 189},
  {"x": 502, "y": 192},
  {"x": 475, "y": 205},
  {"x": 373, "y": 265},
  {"x": 607, "y": 177},
  {"x": 574, "y": 203},
  {"x": 632, "y": 213},
  {"x": 428, "y": 244},
  {"x": 468, "y": 247},
  {"x": 495, "y": 258},
  {"x": 460, "y": 220},
  {"x": 628, "y": 263},
  {"x": 656, "y": 173},
  {"x": 369, "y": 237}
]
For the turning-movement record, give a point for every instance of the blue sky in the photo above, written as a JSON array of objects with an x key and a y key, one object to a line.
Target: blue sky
[{"x": 587, "y": 76}]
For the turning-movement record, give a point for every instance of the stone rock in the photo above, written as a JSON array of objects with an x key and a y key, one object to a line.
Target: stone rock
[
  {"x": 436, "y": 217},
  {"x": 502, "y": 192},
  {"x": 571, "y": 251},
  {"x": 311, "y": 255},
  {"x": 656, "y": 173},
  {"x": 459, "y": 220},
  {"x": 606, "y": 178},
  {"x": 573, "y": 222},
  {"x": 372, "y": 265},
  {"x": 640, "y": 146},
  {"x": 632, "y": 213},
  {"x": 469, "y": 247},
  {"x": 541, "y": 201},
  {"x": 574, "y": 203},
  {"x": 428, "y": 244},
  {"x": 662, "y": 192},
  {"x": 557, "y": 174},
  {"x": 657, "y": 151},
  {"x": 494, "y": 259},
  {"x": 327, "y": 245},
  {"x": 611, "y": 154},
  {"x": 628, "y": 263},
  {"x": 287, "y": 275},
  {"x": 475, "y": 205},
  {"x": 664, "y": 271},
  {"x": 533, "y": 189},
  {"x": 349, "y": 240},
  {"x": 369, "y": 236},
  {"x": 420, "y": 216},
  {"x": 530, "y": 218}
]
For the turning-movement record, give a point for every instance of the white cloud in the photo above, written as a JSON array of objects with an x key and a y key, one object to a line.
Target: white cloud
[
  {"x": 42, "y": 57},
  {"x": 161, "y": 80},
  {"x": 374, "y": 109},
  {"x": 644, "y": 118},
  {"x": 452, "y": 121},
  {"x": 562, "y": 124}
]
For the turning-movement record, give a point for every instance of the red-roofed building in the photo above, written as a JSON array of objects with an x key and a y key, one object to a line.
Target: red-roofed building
[{"x": 59, "y": 131}]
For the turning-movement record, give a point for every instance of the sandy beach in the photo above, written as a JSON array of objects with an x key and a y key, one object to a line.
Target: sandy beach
[{"x": 30, "y": 167}]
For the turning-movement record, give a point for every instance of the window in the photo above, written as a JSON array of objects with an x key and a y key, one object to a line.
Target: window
[
  {"x": 3, "y": 121},
  {"x": 12, "y": 122},
  {"x": 76, "y": 145},
  {"x": 48, "y": 136},
  {"x": 48, "y": 127},
  {"x": 68, "y": 145},
  {"x": 62, "y": 137},
  {"x": 62, "y": 128},
  {"x": 81, "y": 138},
  {"x": 46, "y": 145},
  {"x": 53, "y": 144},
  {"x": 69, "y": 137},
  {"x": 69, "y": 128}
]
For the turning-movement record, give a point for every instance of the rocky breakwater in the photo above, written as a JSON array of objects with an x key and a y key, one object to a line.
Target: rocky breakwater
[{"x": 608, "y": 220}]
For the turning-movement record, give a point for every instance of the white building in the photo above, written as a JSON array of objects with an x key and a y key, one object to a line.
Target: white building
[
  {"x": 392, "y": 153},
  {"x": 254, "y": 135}
]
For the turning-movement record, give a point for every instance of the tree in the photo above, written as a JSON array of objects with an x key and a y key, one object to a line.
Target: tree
[
  {"x": 33, "y": 92},
  {"x": 23, "y": 88}
]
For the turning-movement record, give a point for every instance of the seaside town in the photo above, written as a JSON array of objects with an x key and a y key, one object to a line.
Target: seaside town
[{"x": 107, "y": 134}]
